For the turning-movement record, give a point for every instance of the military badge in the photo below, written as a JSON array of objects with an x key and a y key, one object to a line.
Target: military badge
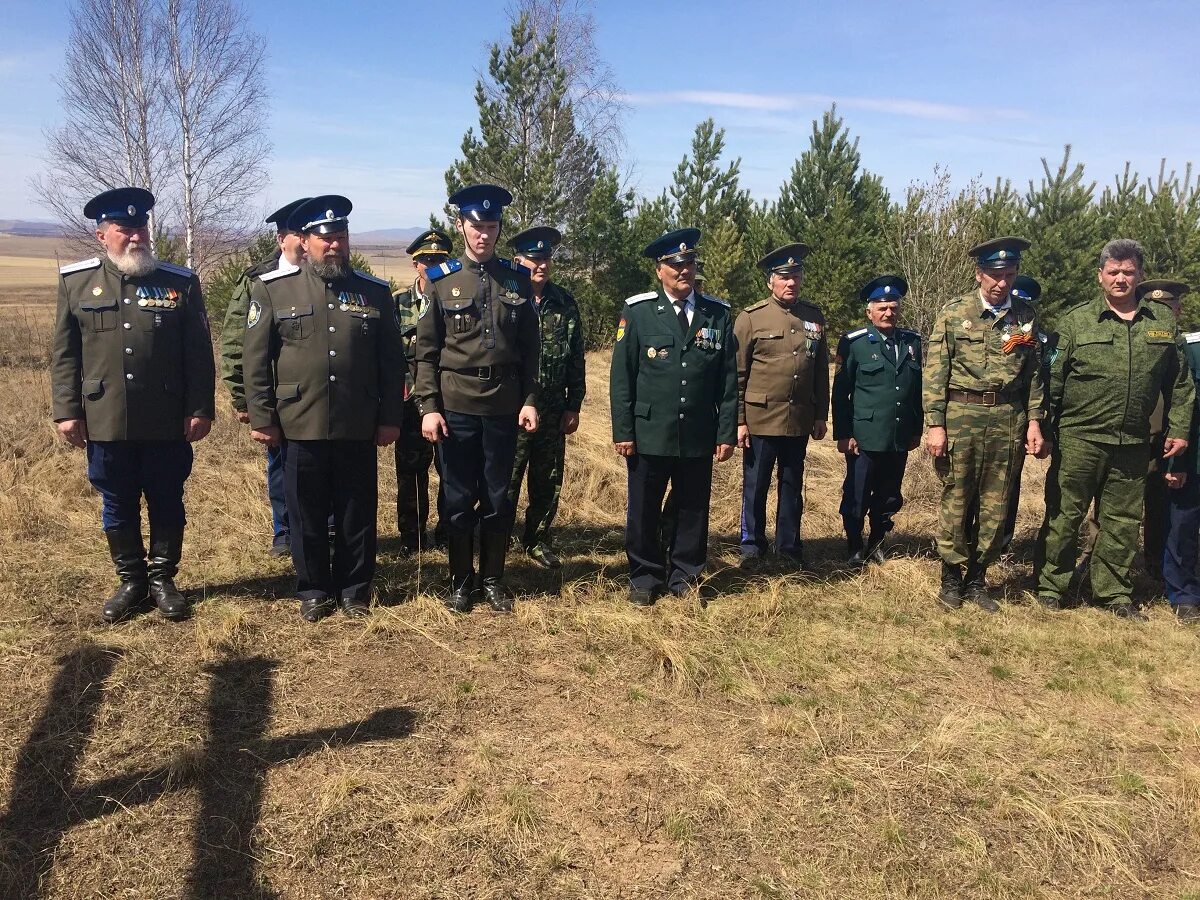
[
  {"x": 621, "y": 329},
  {"x": 97, "y": 291},
  {"x": 424, "y": 308},
  {"x": 663, "y": 353},
  {"x": 650, "y": 354},
  {"x": 967, "y": 325},
  {"x": 455, "y": 292},
  {"x": 1158, "y": 334},
  {"x": 254, "y": 314}
]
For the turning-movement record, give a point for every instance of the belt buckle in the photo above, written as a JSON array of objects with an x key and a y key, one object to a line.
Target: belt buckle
[
  {"x": 485, "y": 373},
  {"x": 989, "y": 398}
]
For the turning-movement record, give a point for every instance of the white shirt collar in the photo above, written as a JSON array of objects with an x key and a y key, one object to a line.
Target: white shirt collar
[
  {"x": 688, "y": 302},
  {"x": 995, "y": 310}
]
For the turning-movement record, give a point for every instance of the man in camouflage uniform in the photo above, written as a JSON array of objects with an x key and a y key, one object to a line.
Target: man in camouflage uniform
[
  {"x": 560, "y": 394},
  {"x": 414, "y": 454},
  {"x": 1117, "y": 357},
  {"x": 290, "y": 250},
  {"x": 984, "y": 402}
]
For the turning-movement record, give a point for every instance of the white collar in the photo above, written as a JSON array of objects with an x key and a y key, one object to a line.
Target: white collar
[
  {"x": 688, "y": 301},
  {"x": 995, "y": 310}
]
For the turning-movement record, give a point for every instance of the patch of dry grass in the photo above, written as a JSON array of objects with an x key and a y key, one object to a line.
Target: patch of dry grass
[{"x": 827, "y": 737}]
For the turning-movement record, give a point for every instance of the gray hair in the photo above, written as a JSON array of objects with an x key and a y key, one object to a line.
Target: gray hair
[{"x": 1123, "y": 249}]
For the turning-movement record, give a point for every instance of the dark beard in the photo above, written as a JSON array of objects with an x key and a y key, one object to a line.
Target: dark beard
[{"x": 330, "y": 270}]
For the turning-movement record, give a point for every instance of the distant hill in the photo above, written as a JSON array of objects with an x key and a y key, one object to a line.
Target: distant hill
[
  {"x": 29, "y": 228},
  {"x": 402, "y": 236}
]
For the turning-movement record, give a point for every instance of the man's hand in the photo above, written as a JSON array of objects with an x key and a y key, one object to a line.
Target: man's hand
[
  {"x": 433, "y": 427},
  {"x": 1175, "y": 480},
  {"x": 848, "y": 445},
  {"x": 935, "y": 440},
  {"x": 569, "y": 424},
  {"x": 1173, "y": 447},
  {"x": 624, "y": 448},
  {"x": 243, "y": 417},
  {"x": 723, "y": 452},
  {"x": 744, "y": 437},
  {"x": 527, "y": 418},
  {"x": 196, "y": 428},
  {"x": 386, "y": 435},
  {"x": 1034, "y": 442},
  {"x": 271, "y": 435},
  {"x": 74, "y": 432},
  {"x": 819, "y": 429}
]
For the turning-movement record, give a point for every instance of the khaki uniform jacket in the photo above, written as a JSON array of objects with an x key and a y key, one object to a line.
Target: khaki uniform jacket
[
  {"x": 782, "y": 368},
  {"x": 323, "y": 359},
  {"x": 131, "y": 356},
  {"x": 479, "y": 316}
]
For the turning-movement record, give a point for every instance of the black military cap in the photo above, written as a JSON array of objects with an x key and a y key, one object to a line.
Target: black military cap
[
  {"x": 431, "y": 242},
  {"x": 885, "y": 287},
  {"x": 1027, "y": 288},
  {"x": 674, "y": 246},
  {"x": 280, "y": 217},
  {"x": 1163, "y": 290},
  {"x": 326, "y": 214},
  {"x": 537, "y": 242},
  {"x": 481, "y": 202},
  {"x": 124, "y": 206},
  {"x": 999, "y": 253},
  {"x": 787, "y": 259}
]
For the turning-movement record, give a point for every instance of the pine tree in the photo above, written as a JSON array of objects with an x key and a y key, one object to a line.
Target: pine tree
[{"x": 1002, "y": 213}]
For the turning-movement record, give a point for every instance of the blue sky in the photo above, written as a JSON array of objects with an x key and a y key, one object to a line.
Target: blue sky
[{"x": 372, "y": 102}]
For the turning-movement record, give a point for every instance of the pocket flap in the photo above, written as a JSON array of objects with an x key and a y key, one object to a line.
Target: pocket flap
[
  {"x": 659, "y": 340},
  {"x": 768, "y": 335},
  {"x": 872, "y": 369},
  {"x": 456, "y": 304},
  {"x": 1085, "y": 339},
  {"x": 93, "y": 388},
  {"x": 513, "y": 301},
  {"x": 294, "y": 313},
  {"x": 641, "y": 409},
  {"x": 368, "y": 313},
  {"x": 756, "y": 396},
  {"x": 285, "y": 391},
  {"x": 864, "y": 416},
  {"x": 97, "y": 305}
]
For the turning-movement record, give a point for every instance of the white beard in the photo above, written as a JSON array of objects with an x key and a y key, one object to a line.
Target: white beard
[{"x": 135, "y": 262}]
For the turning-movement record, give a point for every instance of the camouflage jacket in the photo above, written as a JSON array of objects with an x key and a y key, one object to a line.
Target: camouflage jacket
[
  {"x": 408, "y": 310},
  {"x": 233, "y": 330},
  {"x": 560, "y": 362}
]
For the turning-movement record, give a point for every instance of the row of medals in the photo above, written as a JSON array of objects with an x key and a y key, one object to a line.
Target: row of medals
[
  {"x": 158, "y": 297},
  {"x": 348, "y": 301}
]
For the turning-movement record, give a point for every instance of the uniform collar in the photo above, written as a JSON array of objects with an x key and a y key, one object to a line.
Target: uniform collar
[
  {"x": 996, "y": 311},
  {"x": 1141, "y": 311}
]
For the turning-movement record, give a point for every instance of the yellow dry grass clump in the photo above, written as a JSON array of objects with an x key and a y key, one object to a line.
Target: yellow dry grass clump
[{"x": 829, "y": 737}]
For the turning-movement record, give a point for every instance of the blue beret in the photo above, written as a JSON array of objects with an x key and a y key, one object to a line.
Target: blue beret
[
  {"x": 674, "y": 246},
  {"x": 1026, "y": 288},
  {"x": 280, "y": 217},
  {"x": 325, "y": 214},
  {"x": 537, "y": 242},
  {"x": 786, "y": 259},
  {"x": 125, "y": 206},
  {"x": 885, "y": 287},
  {"x": 481, "y": 202},
  {"x": 999, "y": 253}
]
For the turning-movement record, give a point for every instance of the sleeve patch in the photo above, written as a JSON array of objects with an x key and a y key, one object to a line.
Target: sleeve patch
[
  {"x": 254, "y": 314},
  {"x": 621, "y": 329}
]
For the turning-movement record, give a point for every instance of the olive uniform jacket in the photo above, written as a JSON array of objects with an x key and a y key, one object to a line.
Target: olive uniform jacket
[
  {"x": 233, "y": 330},
  {"x": 877, "y": 392},
  {"x": 1189, "y": 460},
  {"x": 477, "y": 339},
  {"x": 322, "y": 359},
  {"x": 782, "y": 368},
  {"x": 561, "y": 380},
  {"x": 671, "y": 393},
  {"x": 131, "y": 356}
]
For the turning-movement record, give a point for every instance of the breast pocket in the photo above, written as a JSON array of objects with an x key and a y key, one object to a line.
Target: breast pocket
[
  {"x": 1093, "y": 357},
  {"x": 769, "y": 343},
  {"x": 296, "y": 323},
  {"x": 157, "y": 319},
  {"x": 367, "y": 320},
  {"x": 98, "y": 315},
  {"x": 461, "y": 315},
  {"x": 510, "y": 312},
  {"x": 657, "y": 349}
]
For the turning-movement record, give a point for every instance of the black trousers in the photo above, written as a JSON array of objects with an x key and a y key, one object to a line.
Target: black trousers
[
  {"x": 781, "y": 456},
  {"x": 332, "y": 481},
  {"x": 477, "y": 463},
  {"x": 690, "y": 480},
  {"x": 872, "y": 488}
]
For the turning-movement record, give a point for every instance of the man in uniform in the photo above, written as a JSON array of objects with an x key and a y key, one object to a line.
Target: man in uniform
[
  {"x": 876, "y": 415},
  {"x": 1116, "y": 357},
  {"x": 413, "y": 453},
  {"x": 290, "y": 251},
  {"x": 783, "y": 399},
  {"x": 1182, "y": 480},
  {"x": 477, "y": 357},
  {"x": 984, "y": 402},
  {"x": 673, "y": 394},
  {"x": 132, "y": 378},
  {"x": 560, "y": 394},
  {"x": 324, "y": 371}
]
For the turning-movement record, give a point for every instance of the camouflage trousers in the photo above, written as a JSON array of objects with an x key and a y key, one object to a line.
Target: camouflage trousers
[
  {"x": 985, "y": 449},
  {"x": 1115, "y": 477},
  {"x": 543, "y": 453},
  {"x": 1154, "y": 519},
  {"x": 414, "y": 455}
]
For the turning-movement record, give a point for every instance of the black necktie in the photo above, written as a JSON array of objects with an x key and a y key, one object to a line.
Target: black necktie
[{"x": 681, "y": 315}]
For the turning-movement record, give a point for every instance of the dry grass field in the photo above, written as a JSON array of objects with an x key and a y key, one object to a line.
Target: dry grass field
[{"x": 832, "y": 737}]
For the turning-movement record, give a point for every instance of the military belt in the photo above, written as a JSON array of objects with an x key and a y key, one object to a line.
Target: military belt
[
  {"x": 483, "y": 373},
  {"x": 983, "y": 398}
]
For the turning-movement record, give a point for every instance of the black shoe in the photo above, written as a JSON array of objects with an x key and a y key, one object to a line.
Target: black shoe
[
  {"x": 1187, "y": 612},
  {"x": 950, "y": 595},
  {"x": 544, "y": 556},
  {"x": 129, "y": 559},
  {"x": 642, "y": 596},
  {"x": 874, "y": 552},
  {"x": 281, "y": 547},
  {"x": 493, "y": 548},
  {"x": 460, "y": 553},
  {"x": 314, "y": 609},
  {"x": 1126, "y": 610},
  {"x": 1051, "y": 603},
  {"x": 680, "y": 590},
  {"x": 356, "y": 607},
  {"x": 166, "y": 548},
  {"x": 794, "y": 559},
  {"x": 975, "y": 589},
  {"x": 751, "y": 559}
]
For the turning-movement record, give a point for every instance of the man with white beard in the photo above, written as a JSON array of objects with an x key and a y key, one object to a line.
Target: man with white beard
[{"x": 132, "y": 377}]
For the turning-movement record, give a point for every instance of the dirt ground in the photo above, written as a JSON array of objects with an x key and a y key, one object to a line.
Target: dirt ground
[{"x": 837, "y": 736}]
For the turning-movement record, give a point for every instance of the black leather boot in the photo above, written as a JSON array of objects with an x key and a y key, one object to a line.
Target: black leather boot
[
  {"x": 460, "y": 553},
  {"x": 166, "y": 547},
  {"x": 874, "y": 551},
  {"x": 951, "y": 593},
  {"x": 975, "y": 588},
  {"x": 129, "y": 559},
  {"x": 493, "y": 547}
]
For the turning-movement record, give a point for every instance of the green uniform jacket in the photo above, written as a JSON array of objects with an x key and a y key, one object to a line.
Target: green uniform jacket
[
  {"x": 479, "y": 317},
  {"x": 131, "y": 356},
  {"x": 877, "y": 400},
  {"x": 561, "y": 384},
  {"x": 965, "y": 353},
  {"x": 1190, "y": 460},
  {"x": 1107, "y": 375},
  {"x": 323, "y": 359},
  {"x": 674, "y": 394},
  {"x": 233, "y": 330}
]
